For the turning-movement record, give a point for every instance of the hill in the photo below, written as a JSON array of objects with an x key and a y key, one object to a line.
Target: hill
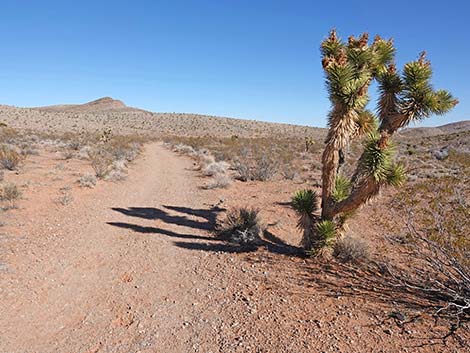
[{"x": 111, "y": 113}]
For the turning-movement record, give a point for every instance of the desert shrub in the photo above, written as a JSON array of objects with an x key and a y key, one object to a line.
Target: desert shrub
[
  {"x": 28, "y": 150},
  {"x": 65, "y": 199},
  {"x": 75, "y": 145},
  {"x": 219, "y": 181},
  {"x": 263, "y": 169},
  {"x": 215, "y": 168},
  {"x": 101, "y": 163},
  {"x": 243, "y": 171},
  {"x": 204, "y": 159},
  {"x": 184, "y": 149},
  {"x": 10, "y": 192},
  {"x": 122, "y": 149},
  {"x": 259, "y": 169},
  {"x": 433, "y": 235},
  {"x": 115, "y": 175},
  {"x": 85, "y": 152},
  {"x": 241, "y": 226},
  {"x": 68, "y": 154},
  {"x": 87, "y": 181},
  {"x": 288, "y": 172},
  {"x": 351, "y": 249},
  {"x": 9, "y": 158}
]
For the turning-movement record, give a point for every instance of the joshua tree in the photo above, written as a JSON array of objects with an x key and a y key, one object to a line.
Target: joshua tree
[
  {"x": 309, "y": 142},
  {"x": 404, "y": 96}
]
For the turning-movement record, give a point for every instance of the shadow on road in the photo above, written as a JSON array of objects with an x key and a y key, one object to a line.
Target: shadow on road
[{"x": 197, "y": 219}]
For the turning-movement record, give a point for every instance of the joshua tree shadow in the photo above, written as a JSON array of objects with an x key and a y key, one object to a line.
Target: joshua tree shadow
[{"x": 206, "y": 221}]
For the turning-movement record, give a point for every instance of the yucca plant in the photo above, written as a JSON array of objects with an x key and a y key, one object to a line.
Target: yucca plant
[
  {"x": 404, "y": 96},
  {"x": 326, "y": 231},
  {"x": 305, "y": 203}
]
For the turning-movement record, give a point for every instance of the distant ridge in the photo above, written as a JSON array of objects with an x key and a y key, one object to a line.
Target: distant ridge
[
  {"x": 108, "y": 112},
  {"x": 98, "y": 105},
  {"x": 450, "y": 128}
]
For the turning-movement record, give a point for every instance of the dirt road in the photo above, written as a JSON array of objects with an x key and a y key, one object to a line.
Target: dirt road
[{"x": 103, "y": 273}]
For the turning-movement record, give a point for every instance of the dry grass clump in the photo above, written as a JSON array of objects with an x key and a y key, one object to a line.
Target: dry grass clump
[
  {"x": 351, "y": 249},
  {"x": 10, "y": 192},
  {"x": 241, "y": 226},
  {"x": 9, "y": 157}
]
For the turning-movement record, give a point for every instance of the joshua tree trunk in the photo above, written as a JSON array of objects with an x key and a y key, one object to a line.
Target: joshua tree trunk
[{"x": 342, "y": 125}]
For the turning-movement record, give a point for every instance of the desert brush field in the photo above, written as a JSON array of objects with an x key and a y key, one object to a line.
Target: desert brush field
[{"x": 123, "y": 230}]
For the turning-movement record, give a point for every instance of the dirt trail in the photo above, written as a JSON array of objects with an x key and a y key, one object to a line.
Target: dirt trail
[
  {"x": 132, "y": 267},
  {"x": 103, "y": 274}
]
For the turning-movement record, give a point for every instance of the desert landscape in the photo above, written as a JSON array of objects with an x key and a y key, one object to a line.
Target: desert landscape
[
  {"x": 234, "y": 177},
  {"x": 110, "y": 242}
]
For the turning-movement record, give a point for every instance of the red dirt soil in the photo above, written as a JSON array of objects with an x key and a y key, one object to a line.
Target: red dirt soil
[{"x": 134, "y": 267}]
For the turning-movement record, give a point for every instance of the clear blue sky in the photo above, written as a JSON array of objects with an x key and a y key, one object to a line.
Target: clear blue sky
[{"x": 248, "y": 59}]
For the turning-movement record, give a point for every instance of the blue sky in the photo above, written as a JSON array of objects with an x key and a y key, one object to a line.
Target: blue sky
[{"x": 247, "y": 59}]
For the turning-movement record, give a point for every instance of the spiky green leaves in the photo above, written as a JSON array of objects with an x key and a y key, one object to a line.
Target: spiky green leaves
[
  {"x": 442, "y": 102},
  {"x": 377, "y": 162},
  {"x": 305, "y": 202},
  {"x": 326, "y": 231},
  {"x": 396, "y": 175},
  {"x": 411, "y": 93},
  {"x": 383, "y": 55},
  {"x": 347, "y": 68},
  {"x": 342, "y": 188},
  {"x": 366, "y": 123},
  {"x": 390, "y": 81},
  {"x": 331, "y": 47}
]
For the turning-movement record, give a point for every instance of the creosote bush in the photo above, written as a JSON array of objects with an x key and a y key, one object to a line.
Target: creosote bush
[{"x": 241, "y": 226}]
